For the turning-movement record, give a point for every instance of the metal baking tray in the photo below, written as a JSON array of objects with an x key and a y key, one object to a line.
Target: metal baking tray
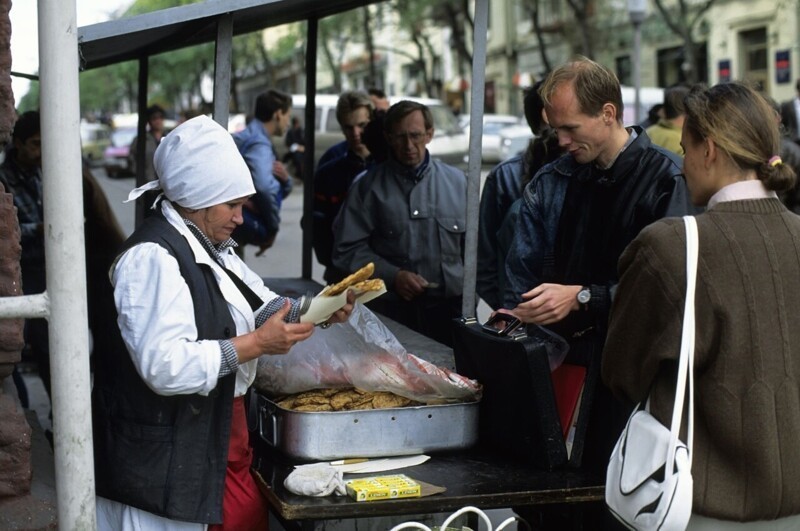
[{"x": 326, "y": 435}]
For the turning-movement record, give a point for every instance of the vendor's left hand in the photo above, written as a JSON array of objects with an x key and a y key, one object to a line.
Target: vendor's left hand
[
  {"x": 547, "y": 304},
  {"x": 343, "y": 314}
]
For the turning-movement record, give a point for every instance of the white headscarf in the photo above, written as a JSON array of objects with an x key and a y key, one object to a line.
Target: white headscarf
[{"x": 198, "y": 166}]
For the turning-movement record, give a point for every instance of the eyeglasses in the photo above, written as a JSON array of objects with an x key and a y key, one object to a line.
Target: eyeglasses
[{"x": 415, "y": 137}]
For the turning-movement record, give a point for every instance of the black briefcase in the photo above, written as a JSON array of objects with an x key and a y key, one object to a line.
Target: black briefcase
[{"x": 519, "y": 417}]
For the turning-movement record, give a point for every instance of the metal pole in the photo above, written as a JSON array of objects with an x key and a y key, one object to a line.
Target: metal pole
[
  {"x": 222, "y": 69},
  {"x": 474, "y": 168},
  {"x": 308, "y": 159},
  {"x": 27, "y": 306},
  {"x": 141, "y": 140},
  {"x": 637, "y": 70},
  {"x": 66, "y": 264}
]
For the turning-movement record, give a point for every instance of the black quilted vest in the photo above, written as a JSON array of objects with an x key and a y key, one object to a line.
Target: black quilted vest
[{"x": 165, "y": 454}]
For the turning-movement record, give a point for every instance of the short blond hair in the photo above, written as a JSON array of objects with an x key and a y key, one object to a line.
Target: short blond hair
[{"x": 594, "y": 85}]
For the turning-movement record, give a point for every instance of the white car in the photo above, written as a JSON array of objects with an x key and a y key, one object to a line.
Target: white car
[
  {"x": 493, "y": 124},
  {"x": 513, "y": 140}
]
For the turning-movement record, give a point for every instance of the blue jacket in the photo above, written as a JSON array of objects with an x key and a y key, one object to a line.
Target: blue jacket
[
  {"x": 576, "y": 219},
  {"x": 256, "y": 147},
  {"x": 502, "y": 187}
]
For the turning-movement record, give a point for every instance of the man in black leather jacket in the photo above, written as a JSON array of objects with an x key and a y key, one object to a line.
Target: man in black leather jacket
[{"x": 578, "y": 215}]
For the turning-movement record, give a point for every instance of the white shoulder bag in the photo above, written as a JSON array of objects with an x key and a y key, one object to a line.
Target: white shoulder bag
[{"x": 649, "y": 476}]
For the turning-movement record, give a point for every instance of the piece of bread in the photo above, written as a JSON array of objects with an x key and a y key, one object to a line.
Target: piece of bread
[{"x": 362, "y": 274}]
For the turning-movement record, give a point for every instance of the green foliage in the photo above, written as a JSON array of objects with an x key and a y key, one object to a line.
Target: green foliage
[{"x": 30, "y": 101}]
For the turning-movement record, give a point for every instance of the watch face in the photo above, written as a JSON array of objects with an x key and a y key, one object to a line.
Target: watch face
[{"x": 584, "y": 296}]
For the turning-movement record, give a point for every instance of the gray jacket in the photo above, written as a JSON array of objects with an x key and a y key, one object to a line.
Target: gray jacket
[{"x": 400, "y": 218}]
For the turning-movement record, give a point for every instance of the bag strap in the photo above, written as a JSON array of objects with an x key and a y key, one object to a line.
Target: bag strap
[{"x": 686, "y": 363}]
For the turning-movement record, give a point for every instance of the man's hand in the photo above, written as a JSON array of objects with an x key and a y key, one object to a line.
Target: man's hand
[
  {"x": 279, "y": 171},
  {"x": 547, "y": 304},
  {"x": 266, "y": 245},
  {"x": 409, "y": 285}
]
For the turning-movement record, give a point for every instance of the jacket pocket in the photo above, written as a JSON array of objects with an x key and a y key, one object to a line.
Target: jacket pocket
[
  {"x": 142, "y": 455},
  {"x": 451, "y": 237}
]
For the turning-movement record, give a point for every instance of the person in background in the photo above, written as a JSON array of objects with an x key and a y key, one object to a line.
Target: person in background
[
  {"x": 407, "y": 216},
  {"x": 790, "y": 116},
  {"x": 155, "y": 132},
  {"x": 501, "y": 191},
  {"x": 262, "y": 216},
  {"x": 336, "y": 151},
  {"x": 667, "y": 132},
  {"x": 379, "y": 100},
  {"x": 654, "y": 114},
  {"x": 332, "y": 180},
  {"x": 790, "y": 155},
  {"x": 576, "y": 218},
  {"x": 296, "y": 144},
  {"x": 21, "y": 176},
  {"x": 746, "y": 411},
  {"x": 170, "y": 434}
]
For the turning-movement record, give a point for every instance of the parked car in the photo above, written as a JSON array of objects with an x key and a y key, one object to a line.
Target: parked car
[
  {"x": 513, "y": 140},
  {"x": 117, "y": 156},
  {"x": 95, "y": 138},
  {"x": 490, "y": 139}
]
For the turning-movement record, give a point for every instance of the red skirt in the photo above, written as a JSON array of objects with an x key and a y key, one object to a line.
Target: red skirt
[{"x": 243, "y": 506}]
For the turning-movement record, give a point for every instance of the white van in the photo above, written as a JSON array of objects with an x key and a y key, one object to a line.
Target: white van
[{"x": 449, "y": 141}]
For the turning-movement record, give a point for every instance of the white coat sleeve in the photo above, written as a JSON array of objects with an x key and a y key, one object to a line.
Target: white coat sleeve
[{"x": 156, "y": 318}]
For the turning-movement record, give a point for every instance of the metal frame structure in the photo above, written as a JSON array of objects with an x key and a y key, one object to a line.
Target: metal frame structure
[{"x": 63, "y": 50}]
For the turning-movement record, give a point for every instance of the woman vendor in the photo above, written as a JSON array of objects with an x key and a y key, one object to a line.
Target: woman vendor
[{"x": 170, "y": 434}]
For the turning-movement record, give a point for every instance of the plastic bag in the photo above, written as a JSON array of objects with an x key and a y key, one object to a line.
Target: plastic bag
[{"x": 361, "y": 353}]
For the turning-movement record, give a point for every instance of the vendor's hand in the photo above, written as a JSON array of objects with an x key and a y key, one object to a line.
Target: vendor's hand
[
  {"x": 547, "y": 304},
  {"x": 279, "y": 171},
  {"x": 275, "y": 336},
  {"x": 342, "y": 314},
  {"x": 409, "y": 285}
]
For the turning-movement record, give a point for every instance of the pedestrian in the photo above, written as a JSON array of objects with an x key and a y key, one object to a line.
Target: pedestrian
[
  {"x": 407, "y": 215},
  {"x": 502, "y": 190},
  {"x": 577, "y": 216},
  {"x": 332, "y": 179},
  {"x": 170, "y": 434},
  {"x": 296, "y": 144},
  {"x": 667, "y": 131},
  {"x": 155, "y": 132},
  {"x": 746, "y": 411},
  {"x": 262, "y": 216}
]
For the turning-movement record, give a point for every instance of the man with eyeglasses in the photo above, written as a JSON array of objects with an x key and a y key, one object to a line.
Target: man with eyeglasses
[{"x": 407, "y": 215}]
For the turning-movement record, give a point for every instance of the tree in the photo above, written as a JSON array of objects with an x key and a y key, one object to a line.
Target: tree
[
  {"x": 412, "y": 16},
  {"x": 683, "y": 20}
]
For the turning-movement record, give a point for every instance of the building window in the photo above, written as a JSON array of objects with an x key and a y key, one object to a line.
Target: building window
[
  {"x": 624, "y": 70},
  {"x": 753, "y": 58},
  {"x": 672, "y": 65}
]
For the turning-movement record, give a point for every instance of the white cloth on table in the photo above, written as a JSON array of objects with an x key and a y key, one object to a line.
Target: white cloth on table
[{"x": 316, "y": 479}]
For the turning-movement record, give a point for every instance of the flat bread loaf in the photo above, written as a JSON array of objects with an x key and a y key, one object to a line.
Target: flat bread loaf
[{"x": 359, "y": 276}]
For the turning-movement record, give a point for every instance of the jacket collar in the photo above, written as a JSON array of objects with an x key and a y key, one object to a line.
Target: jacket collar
[{"x": 625, "y": 164}]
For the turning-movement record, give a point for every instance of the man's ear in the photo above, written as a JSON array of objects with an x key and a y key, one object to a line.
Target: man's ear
[{"x": 609, "y": 113}]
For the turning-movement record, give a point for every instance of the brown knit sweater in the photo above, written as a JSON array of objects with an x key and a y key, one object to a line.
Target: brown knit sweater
[{"x": 747, "y": 353}]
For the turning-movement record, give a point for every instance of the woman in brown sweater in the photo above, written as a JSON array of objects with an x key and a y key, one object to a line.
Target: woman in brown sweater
[{"x": 747, "y": 352}]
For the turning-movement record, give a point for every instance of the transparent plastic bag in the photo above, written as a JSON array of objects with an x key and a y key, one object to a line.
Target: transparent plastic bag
[{"x": 361, "y": 353}]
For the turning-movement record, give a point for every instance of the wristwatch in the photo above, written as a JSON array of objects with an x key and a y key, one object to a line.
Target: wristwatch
[{"x": 584, "y": 296}]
